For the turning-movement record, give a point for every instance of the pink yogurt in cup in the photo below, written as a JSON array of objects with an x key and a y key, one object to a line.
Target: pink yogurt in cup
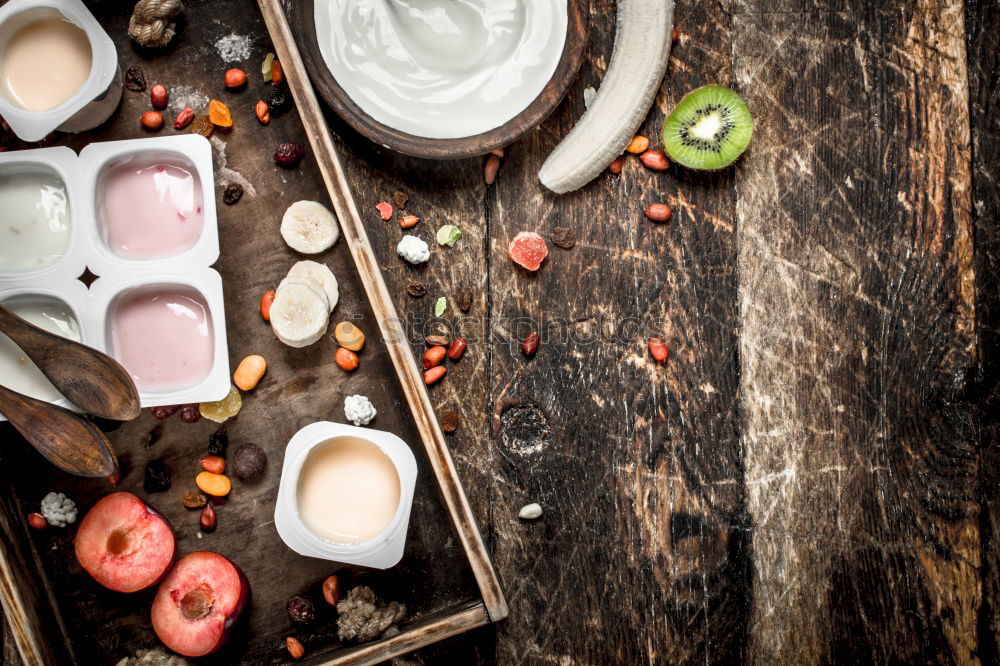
[
  {"x": 150, "y": 207},
  {"x": 163, "y": 336}
]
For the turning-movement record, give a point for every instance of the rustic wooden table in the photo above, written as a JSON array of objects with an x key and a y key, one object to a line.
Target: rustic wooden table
[{"x": 813, "y": 477}]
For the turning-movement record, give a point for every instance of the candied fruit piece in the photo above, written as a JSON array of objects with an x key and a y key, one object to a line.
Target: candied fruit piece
[
  {"x": 220, "y": 410},
  {"x": 219, "y": 114}
]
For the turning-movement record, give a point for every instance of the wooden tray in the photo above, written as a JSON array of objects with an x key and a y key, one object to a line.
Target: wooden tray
[{"x": 56, "y": 613}]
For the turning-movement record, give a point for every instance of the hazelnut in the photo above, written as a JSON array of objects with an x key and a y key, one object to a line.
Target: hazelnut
[{"x": 249, "y": 461}]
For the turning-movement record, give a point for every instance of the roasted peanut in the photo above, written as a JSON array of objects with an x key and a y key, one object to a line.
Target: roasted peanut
[
  {"x": 37, "y": 521},
  {"x": 530, "y": 345},
  {"x": 616, "y": 165},
  {"x": 151, "y": 120},
  {"x": 234, "y": 78},
  {"x": 658, "y": 350},
  {"x": 184, "y": 118},
  {"x": 408, "y": 221},
  {"x": 295, "y": 648},
  {"x": 435, "y": 374},
  {"x": 263, "y": 112},
  {"x": 331, "y": 590},
  {"x": 213, "y": 464},
  {"x": 249, "y": 372},
  {"x": 346, "y": 359},
  {"x": 655, "y": 160},
  {"x": 265, "y": 304},
  {"x": 457, "y": 348},
  {"x": 491, "y": 168},
  {"x": 158, "y": 96},
  {"x": 658, "y": 212},
  {"x": 434, "y": 356}
]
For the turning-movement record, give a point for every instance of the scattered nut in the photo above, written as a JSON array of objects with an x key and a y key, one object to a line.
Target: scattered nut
[
  {"x": 249, "y": 461},
  {"x": 346, "y": 359},
  {"x": 434, "y": 375},
  {"x": 158, "y": 96},
  {"x": 37, "y": 521},
  {"x": 213, "y": 464},
  {"x": 457, "y": 348},
  {"x": 295, "y": 648},
  {"x": 184, "y": 118},
  {"x": 331, "y": 590},
  {"x": 530, "y": 512},
  {"x": 464, "y": 299},
  {"x": 277, "y": 73},
  {"x": 434, "y": 356},
  {"x": 658, "y": 350},
  {"x": 151, "y": 120},
  {"x": 530, "y": 345},
  {"x": 207, "y": 519},
  {"x": 234, "y": 78},
  {"x": 263, "y": 112},
  {"x": 265, "y": 304},
  {"x": 408, "y": 221},
  {"x": 491, "y": 168},
  {"x": 658, "y": 212},
  {"x": 616, "y": 165},
  {"x": 655, "y": 160}
]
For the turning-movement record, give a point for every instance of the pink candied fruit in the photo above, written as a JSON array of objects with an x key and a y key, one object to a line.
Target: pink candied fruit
[
  {"x": 528, "y": 250},
  {"x": 384, "y": 210}
]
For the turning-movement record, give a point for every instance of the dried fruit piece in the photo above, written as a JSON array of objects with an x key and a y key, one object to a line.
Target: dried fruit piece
[
  {"x": 655, "y": 160},
  {"x": 234, "y": 78},
  {"x": 491, "y": 169},
  {"x": 164, "y": 412},
  {"x": 37, "y": 521},
  {"x": 658, "y": 350},
  {"x": 218, "y": 443},
  {"x": 278, "y": 100},
  {"x": 190, "y": 413},
  {"x": 265, "y": 68},
  {"x": 408, "y": 221},
  {"x": 449, "y": 422},
  {"x": 448, "y": 235},
  {"x": 675, "y": 35},
  {"x": 384, "y": 209},
  {"x": 436, "y": 340},
  {"x": 289, "y": 154},
  {"x": 434, "y": 356},
  {"x": 530, "y": 344},
  {"x": 440, "y": 305},
  {"x": 658, "y": 212},
  {"x": 346, "y": 359},
  {"x": 528, "y": 250},
  {"x": 213, "y": 464},
  {"x": 331, "y": 590},
  {"x": 184, "y": 118},
  {"x": 157, "y": 477},
  {"x": 151, "y": 120},
  {"x": 220, "y": 410},
  {"x": 263, "y": 112},
  {"x": 349, "y": 336},
  {"x": 400, "y": 199},
  {"x": 194, "y": 500},
  {"x": 457, "y": 348},
  {"x": 249, "y": 461},
  {"x": 639, "y": 144},
  {"x": 158, "y": 96},
  {"x": 203, "y": 126},
  {"x": 277, "y": 73},
  {"x": 216, "y": 485},
  {"x": 232, "y": 194},
  {"x": 435, "y": 374},
  {"x": 464, "y": 299},
  {"x": 416, "y": 290},
  {"x": 219, "y": 114},
  {"x": 207, "y": 520},
  {"x": 564, "y": 237},
  {"x": 300, "y": 610},
  {"x": 135, "y": 80},
  {"x": 265, "y": 304},
  {"x": 616, "y": 165},
  {"x": 249, "y": 372},
  {"x": 295, "y": 649}
]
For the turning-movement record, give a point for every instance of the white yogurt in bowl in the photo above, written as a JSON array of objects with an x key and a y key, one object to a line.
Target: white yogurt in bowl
[
  {"x": 20, "y": 373},
  {"x": 442, "y": 69},
  {"x": 35, "y": 231}
]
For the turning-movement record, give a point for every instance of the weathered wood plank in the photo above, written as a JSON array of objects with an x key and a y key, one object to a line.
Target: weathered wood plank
[
  {"x": 856, "y": 306},
  {"x": 640, "y": 555}
]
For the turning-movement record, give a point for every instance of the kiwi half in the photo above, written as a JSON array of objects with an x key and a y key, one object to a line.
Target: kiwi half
[{"x": 709, "y": 129}]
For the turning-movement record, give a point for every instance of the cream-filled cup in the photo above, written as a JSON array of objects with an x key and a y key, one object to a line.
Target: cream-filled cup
[
  {"x": 58, "y": 68},
  {"x": 345, "y": 494}
]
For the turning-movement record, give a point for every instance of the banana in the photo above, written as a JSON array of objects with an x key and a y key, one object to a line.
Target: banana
[
  {"x": 299, "y": 313},
  {"x": 322, "y": 275},
  {"x": 308, "y": 227},
  {"x": 638, "y": 63}
]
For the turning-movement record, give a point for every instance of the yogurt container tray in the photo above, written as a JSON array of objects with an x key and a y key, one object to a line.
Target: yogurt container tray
[{"x": 123, "y": 277}]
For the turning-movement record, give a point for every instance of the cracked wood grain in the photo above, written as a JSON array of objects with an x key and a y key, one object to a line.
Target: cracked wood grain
[{"x": 857, "y": 312}]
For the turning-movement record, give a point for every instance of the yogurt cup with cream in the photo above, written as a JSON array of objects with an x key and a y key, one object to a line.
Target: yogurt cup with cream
[
  {"x": 345, "y": 494},
  {"x": 58, "y": 68}
]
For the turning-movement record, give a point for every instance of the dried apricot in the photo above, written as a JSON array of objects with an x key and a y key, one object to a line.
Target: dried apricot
[
  {"x": 216, "y": 485},
  {"x": 219, "y": 114}
]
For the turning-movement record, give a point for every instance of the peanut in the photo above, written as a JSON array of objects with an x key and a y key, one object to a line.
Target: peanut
[
  {"x": 346, "y": 359},
  {"x": 349, "y": 336},
  {"x": 184, "y": 118},
  {"x": 658, "y": 212},
  {"x": 638, "y": 144},
  {"x": 151, "y": 120},
  {"x": 408, "y": 221},
  {"x": 213, "y": 464},
  {"x": 675, "y": 35},
  {"x": 435, "y": 374},
  {"x": 655, "y": 160},
  {"x": 263, "y": 112},
  {"x": 457, "y": 348},
  {"x": 491, "y": 168},
  {"x": 234, "y": 78},
  {"x": 331, "y": 590},
  {"x": 265, "y": 304},
  {"x": 37, "y": 521},
  {"x": 434, "y": 356},
  {"x": 658, "y": 350},
  {"x": 207, "y": 519},
  {"x": 158, "y": 96},
  {"x": 616, "y": 165},
  {"x": 216, "y": 485},
  {"x": 530, "y": 345},
  {"x": 295, "y": 648},
  {"x": 249, "y": 372},
  {"x": 277, "y": 73}
]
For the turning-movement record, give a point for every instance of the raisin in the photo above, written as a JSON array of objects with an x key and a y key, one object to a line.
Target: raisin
[
  {"x": 564, "y": 237},
  {"x": 164, "y": 412},
  {"x": 202, "y": 125},
  {"x": 400, "y": 199},
  {"x": 190, "y": 413},
  {"x": 289, "y": 154},
  {"x": 157, "y": 478},
  {"x": 449, "y": 422},
  {"x": 301, "y": 610},
  {"x": 278, "y": 100},
  {"x": 249, "y": 461},
  {"x": 416, "y": 290},
  {"x": 464, "y": 299},
  {"x": 218, "y": 443},
  {"x": 135, "y": 80},
  {"x": 194, "y": 500},
  {"x": 232, "y": 194}
]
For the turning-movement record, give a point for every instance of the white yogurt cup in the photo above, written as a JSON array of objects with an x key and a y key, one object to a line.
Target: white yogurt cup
[
  {"x": 381, "y": 551},
  {"x": 94, "y": 101}
]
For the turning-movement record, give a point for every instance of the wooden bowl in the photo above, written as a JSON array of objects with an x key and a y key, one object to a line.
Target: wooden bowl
[{"x": 301, "y": 19}]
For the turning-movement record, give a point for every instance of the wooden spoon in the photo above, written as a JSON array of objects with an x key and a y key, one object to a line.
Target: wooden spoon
[
  {"x": 70, "y": 442},
  {"x": 94, "y": 382}
]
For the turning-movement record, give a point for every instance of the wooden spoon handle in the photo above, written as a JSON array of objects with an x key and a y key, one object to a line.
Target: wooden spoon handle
[{"x": 68, "y": 441}]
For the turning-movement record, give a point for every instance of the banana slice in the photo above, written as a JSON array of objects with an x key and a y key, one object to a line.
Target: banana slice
[
  {"x": 638, "y": 63},
  {"x": 321, "y": 274},
  {"x": 299, "y": 313},
  {"x": 308, "y": 227}
]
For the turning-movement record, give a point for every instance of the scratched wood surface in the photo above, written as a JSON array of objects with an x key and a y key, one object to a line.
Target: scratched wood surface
[{"x": 813, "y": 477}]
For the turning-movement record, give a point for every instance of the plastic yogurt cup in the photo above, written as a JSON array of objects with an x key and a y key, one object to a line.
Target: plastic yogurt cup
[
  {"x": 380, "y": 550},
  {"x": 58, "y": 68}
]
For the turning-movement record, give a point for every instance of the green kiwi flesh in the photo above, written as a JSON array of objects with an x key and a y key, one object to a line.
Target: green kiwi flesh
[{"x": 709, "y": 129}]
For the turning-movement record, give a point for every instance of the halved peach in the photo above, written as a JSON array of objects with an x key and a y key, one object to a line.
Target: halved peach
[{"x": 124, "y": 544}]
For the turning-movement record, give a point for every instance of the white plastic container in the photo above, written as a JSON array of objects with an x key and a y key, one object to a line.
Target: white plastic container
[
  {"x": 380, "y": 552},
  {"x": 94, "y": 101},
  {"x": 94, "y": 307}
]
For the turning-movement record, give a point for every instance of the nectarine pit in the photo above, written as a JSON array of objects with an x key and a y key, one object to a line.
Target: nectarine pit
[
  {"x": 197, "y": 603},
  {"x": 117, "y": 542}
]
